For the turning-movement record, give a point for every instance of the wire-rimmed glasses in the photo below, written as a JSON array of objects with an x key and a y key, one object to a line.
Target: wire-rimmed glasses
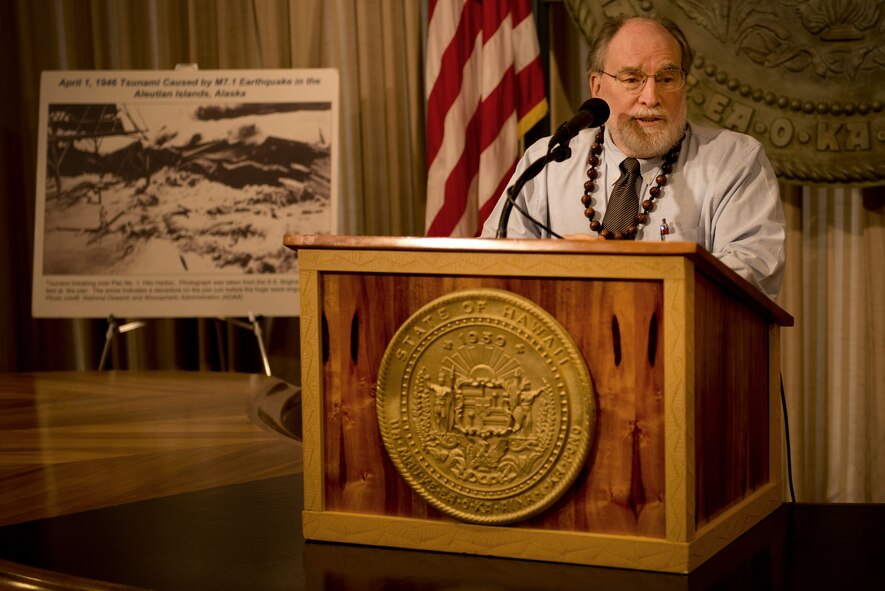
[{"x": 668, "y": 79}]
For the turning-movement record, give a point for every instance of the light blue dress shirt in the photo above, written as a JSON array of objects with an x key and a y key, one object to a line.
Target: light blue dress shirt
[{"x": 722, "y": 194}]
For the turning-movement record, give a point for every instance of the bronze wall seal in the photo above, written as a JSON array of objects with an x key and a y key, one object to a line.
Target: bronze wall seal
[{"x": 802, "y": 77}]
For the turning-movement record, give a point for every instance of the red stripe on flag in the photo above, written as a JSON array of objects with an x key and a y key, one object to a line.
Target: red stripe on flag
[
  {"x": 458, "y": 183},
  {"x": 493, "y": 15},
  {"x": 448, "y": 84},
  {"x": 529, "y": 87},
  {"x": 519, "y": 11},
  {"x": 496, "y": 109}
]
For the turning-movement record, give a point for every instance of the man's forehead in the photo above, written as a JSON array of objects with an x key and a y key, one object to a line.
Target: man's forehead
[{"x": 643, "y": 39}]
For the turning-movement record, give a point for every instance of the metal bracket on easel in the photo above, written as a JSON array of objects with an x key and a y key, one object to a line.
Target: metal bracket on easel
[
  {"x": 255, "y": 327},
  {"x": 115, "y": 329}
]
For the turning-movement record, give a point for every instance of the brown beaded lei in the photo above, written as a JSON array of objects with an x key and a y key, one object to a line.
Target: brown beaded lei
[{"x": 647, "y": 204}]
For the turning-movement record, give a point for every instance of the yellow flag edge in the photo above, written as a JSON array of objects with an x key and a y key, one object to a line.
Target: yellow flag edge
[{"x": 532, "y": 117}]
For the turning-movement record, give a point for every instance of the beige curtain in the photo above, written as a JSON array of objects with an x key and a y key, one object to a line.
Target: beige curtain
[
  {"x": 834, "y": 358},
  {"x": 375, "y": 45}
]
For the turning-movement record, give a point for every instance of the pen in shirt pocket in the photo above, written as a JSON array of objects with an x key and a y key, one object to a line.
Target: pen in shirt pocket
[{"x": 665, "y": 229}]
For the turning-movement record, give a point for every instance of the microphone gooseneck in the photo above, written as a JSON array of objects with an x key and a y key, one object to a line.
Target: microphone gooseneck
[{"x": 594, "y": 112}]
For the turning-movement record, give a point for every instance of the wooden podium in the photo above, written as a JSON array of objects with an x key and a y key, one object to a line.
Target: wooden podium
[{"x": 686, "y": 452}]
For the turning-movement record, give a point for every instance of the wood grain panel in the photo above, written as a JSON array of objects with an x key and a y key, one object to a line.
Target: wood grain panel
[
  {"x": 732, "y": 401},
  {"x": 616, "y": 326}
]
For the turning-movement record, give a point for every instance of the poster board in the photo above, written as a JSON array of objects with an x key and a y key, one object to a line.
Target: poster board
[{"x": 168, "y": 193}]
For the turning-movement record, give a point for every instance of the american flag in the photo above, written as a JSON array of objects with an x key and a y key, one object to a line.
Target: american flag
[{"x": 485, "y": 90}]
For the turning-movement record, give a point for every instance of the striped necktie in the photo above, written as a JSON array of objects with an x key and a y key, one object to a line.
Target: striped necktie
[{"x": 623, "y": 205}]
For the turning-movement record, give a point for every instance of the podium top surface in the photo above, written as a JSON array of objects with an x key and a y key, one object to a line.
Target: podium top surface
[
  {"x": 491, "y": 245},
  {"x": 705, "y": 262}
]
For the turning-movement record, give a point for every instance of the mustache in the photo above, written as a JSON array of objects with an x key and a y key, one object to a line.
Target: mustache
[{"x": 649, "y": 114}]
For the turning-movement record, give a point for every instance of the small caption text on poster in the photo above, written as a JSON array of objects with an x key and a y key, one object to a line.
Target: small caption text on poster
[{"x": 131, "y": 290}]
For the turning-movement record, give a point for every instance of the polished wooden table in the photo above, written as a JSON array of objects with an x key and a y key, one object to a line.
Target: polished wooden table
[
  {"x": 73, "y": 441},
  {"x": 175, "y": 480}
]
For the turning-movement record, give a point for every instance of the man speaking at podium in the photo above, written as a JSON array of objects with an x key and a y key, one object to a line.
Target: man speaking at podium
[{"x": 647, "y": 173}]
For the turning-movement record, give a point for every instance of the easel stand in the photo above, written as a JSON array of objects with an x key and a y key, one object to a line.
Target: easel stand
[
  {"x": 114, "y": 329},
  {"x": 255, "y": 327}
]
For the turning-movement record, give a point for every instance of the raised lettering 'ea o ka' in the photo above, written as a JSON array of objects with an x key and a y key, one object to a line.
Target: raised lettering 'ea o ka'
[{"x": 485, "y": 406}]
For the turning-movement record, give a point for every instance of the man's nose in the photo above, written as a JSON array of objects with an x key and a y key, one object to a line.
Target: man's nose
[{"x": 649, "y": 94}]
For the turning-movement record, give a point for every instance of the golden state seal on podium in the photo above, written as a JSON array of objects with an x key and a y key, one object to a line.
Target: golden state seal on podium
[{"x": 485, "y": 406}]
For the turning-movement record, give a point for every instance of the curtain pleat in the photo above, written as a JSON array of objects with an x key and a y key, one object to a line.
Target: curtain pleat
[{"x": 832, "y": 358}]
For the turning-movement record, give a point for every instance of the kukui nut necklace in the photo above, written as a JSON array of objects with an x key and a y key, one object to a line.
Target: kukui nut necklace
[{"x": 647, "y": 204}]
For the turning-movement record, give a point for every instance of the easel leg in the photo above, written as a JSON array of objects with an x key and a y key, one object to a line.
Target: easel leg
[
  {"x": 108, "y": 337},
  {"x": 113, "y": 330},
  {"x": 255, "y": 327}
]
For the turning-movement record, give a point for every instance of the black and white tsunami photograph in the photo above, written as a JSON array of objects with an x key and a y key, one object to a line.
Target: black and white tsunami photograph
[{"x": 174, "y": 188}]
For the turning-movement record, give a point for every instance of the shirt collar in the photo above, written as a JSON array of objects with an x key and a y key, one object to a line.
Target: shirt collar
[{"x": 613, "y": 155}]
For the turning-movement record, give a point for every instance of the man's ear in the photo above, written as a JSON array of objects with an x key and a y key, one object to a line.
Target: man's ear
[{"x": 595, "y": 82}]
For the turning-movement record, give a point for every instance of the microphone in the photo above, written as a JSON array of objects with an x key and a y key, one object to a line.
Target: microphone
[{"x": 593, "y": 113}]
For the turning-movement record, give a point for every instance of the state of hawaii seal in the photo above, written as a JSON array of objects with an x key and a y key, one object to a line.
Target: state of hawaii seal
[{"x": 485, "y": 406}]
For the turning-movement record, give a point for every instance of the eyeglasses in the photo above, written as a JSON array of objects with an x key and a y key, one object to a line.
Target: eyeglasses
[{"x": 668, "y": 79}]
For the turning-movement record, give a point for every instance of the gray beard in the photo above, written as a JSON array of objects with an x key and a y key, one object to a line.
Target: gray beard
[{"x": 639, "y": 143}]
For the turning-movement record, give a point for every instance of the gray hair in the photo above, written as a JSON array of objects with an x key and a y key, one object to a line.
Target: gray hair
[{"x": 596, "y": 53}]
